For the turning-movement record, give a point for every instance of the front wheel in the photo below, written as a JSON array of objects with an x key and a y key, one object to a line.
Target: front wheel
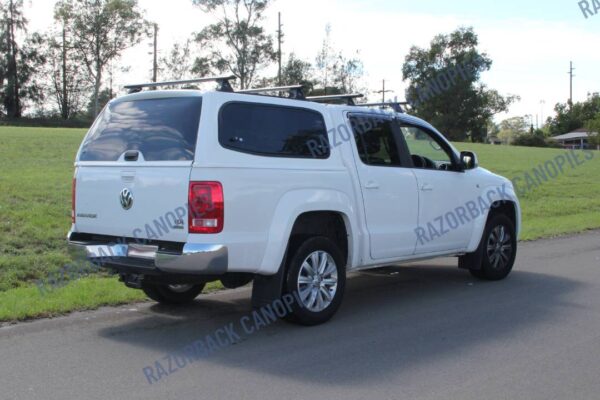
[
  {"x": 499, "y": 249},
  {"x": 172, "y": 294},
  {"x": 316, "y": 276}
]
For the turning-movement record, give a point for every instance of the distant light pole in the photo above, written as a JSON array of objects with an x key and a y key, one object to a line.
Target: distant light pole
[{"x": 542, "y": 104}]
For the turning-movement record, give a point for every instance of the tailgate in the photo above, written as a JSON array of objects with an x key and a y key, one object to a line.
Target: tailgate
[
  {"x": 133, "y": 168},
  {"x": 141, "y": 202}
]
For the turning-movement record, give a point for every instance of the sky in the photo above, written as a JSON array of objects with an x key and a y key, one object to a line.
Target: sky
[{"x": 530, "y": 42}]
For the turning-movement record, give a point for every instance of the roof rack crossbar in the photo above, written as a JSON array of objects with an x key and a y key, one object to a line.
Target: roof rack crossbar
[
  {"x": 222, "y": 81},
  {"x": 347, "y": 98},
  {"x": 394, "y": 105},
  {"x": 295, "y": 91}
]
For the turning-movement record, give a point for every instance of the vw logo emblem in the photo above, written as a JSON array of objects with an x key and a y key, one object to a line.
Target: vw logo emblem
[{"x": 126, "y": 199}]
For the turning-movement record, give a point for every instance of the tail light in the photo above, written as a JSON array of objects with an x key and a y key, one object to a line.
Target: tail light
[
  {"x": 205, "y": 209},
  {"x": 73, "y": 190}
]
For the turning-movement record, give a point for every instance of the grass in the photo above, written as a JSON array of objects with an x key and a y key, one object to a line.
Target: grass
[
  {"x": 84, "y": 294},
  {"x": 36, "y": 168},
  {"x": 88, "y": 293}
]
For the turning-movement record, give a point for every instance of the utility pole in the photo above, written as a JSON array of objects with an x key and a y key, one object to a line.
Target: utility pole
[
  {"x": 383, "y": 92},
  {"x": 155, "y": 64},
  {"x": 279, "y": 41},
  {"x": 571, "y": 84}
]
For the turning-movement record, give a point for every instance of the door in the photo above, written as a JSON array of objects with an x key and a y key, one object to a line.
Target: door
[
  {"x": 388, "y": 186},
  {"x": 445, "y": 192},
  {"x": 134, "y": 168}
]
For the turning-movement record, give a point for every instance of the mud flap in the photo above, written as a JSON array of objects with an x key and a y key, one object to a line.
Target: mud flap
[
  {"x": 474, "y": 260},
  {"x": 268, "y": 289}
]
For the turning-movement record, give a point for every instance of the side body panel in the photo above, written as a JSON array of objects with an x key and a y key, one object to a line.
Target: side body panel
[{"x": 264, "y": 195}]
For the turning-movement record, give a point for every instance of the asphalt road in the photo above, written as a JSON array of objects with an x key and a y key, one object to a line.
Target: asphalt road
[{"x": 421, "y": 331}]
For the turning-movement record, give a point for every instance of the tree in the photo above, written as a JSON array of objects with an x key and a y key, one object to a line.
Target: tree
[
  {"x": 593, "y": 127},
  {"x": 104, "y": 97},
  {"x": 67, "y": 82},
  {"x": 531, "y": 139},
  {"x": 102, "y": 30},
  {"x": 569, "y": 118},
  {"x": 325, "y": 60},
  {"x": 178, "y": 64},
  {"x": 18, "y": 64},
  {"x": 347, "y": 73},
  {"x": 512, "y": 128},
  {"x": 445, "y": 86},
  {"x": 236, "y": 43},
  {"x": 297, "y": 71},
  {"x": 337, "y": 73}
]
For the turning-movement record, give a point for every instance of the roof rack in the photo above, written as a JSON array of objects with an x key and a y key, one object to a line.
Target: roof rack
[
  {"x": 347, "y": 98},
  {"x": 295, "y": 91},
  {"x": 394, "y": 105},
  {"x": 223, "y": 82}
]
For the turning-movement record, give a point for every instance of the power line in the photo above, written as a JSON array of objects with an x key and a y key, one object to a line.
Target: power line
[{"x": 383, "y": 92}]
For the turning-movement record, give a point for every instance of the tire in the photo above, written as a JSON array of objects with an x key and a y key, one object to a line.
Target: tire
[
  {"x": 498, "y": 249},
  {"x": 173, "y": 295},
  {"x": 318, "y": 296}
]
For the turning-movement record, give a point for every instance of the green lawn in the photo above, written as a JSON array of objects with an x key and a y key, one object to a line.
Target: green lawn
[
  {"x": 36, "y": 167},
  {"x": 36, "y": 170}
]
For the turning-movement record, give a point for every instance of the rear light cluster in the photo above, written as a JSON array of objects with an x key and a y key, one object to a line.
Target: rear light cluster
[
  {"x": 73, "y": 191},
  {"x": 206, "y": 212}
]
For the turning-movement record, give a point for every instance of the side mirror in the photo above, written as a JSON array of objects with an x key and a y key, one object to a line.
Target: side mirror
[{"x": 469, "y": 160}]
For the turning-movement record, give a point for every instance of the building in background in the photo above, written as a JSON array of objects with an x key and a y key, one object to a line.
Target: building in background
[{"x": 578, "y": 139}]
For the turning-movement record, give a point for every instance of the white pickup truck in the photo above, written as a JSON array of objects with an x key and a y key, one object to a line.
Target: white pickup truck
[{"x": 177, "y": 188}]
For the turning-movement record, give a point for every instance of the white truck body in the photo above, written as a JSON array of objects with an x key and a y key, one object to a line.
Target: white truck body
[{"x": 264, "y": 196}]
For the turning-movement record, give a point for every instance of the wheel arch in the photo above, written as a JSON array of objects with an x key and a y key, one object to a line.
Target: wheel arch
[
  {"x": 310, "y": 213},
  {"x": 506, "y": 203}
]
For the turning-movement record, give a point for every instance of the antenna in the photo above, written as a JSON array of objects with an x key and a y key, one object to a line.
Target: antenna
[{"x": 222, "y": 81}]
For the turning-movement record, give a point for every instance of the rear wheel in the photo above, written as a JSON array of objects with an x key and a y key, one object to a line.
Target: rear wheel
[
  {"x": 316, "y": 276},
  {"x": 499, "y": 249},
  {"x": 172, "y": 294}
]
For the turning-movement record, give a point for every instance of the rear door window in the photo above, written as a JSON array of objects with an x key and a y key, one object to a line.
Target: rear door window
[
  {"x": 376, "y": 141},
  {"x": 272, "y": 130},
  {"x": 163, "y": 129}
]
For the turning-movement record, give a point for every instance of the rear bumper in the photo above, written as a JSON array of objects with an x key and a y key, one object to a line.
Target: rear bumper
[{"x": 192, "y": 259}]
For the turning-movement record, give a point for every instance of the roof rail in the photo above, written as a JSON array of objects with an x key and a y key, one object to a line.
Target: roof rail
[
  {"x": 223, "y": 82},
  {"x": 347, "y": 98},
  {"x": 296, "y": 92},
  {"x": 394, "y": 105}
]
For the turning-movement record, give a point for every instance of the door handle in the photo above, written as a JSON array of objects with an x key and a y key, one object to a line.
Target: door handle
[
  {"x": 372, "y": 185},
  {"x": 427, "y": 188}
]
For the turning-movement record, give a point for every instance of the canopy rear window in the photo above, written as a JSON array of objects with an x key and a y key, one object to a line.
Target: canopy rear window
[{"x": 160, "y": 129}]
